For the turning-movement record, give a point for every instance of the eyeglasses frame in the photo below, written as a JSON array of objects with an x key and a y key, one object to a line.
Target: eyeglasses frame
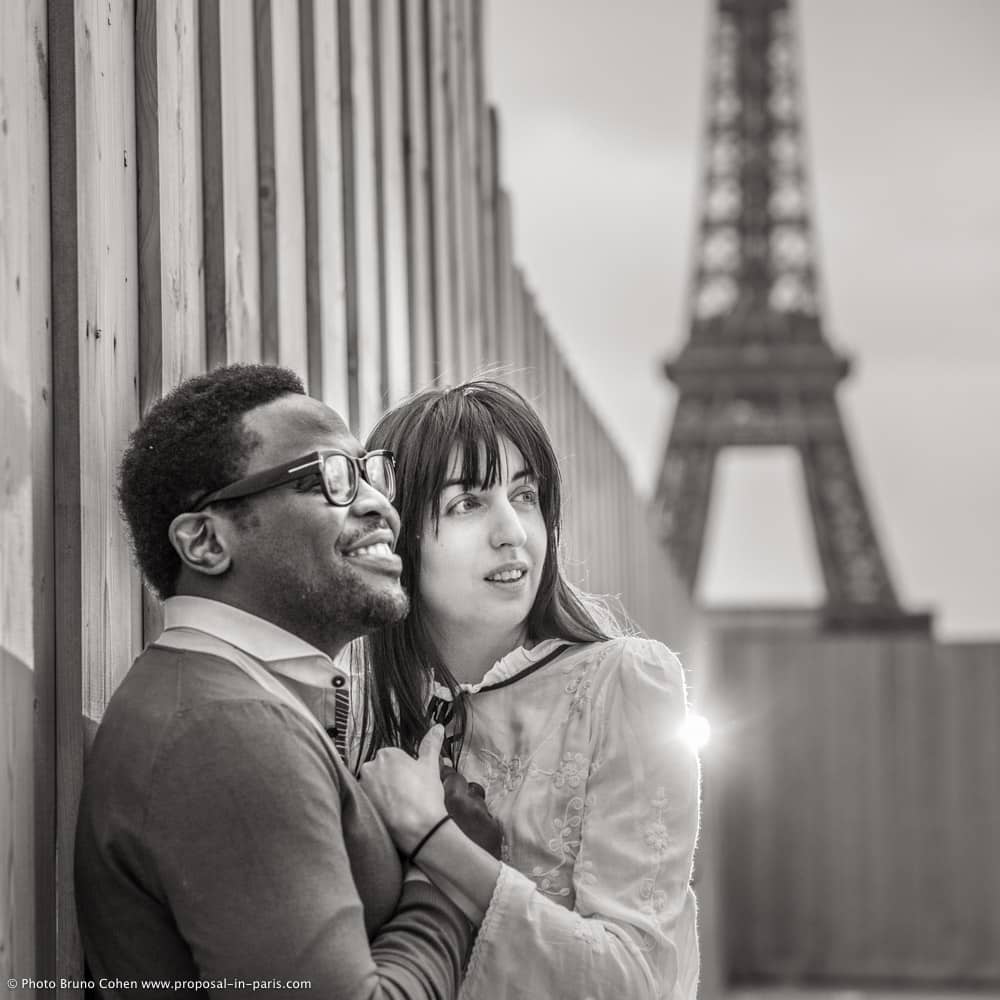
[{"x": 300, "y": 468}]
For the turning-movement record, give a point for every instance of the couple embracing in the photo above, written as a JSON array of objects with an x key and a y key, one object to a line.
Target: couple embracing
[{"x": 492, "y": 803}]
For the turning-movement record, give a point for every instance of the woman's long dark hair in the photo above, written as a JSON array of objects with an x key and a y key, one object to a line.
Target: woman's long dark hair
[{"x": 401, "y": 661}]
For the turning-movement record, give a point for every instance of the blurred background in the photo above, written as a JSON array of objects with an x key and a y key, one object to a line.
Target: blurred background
[{"x": 604, "y": 114}]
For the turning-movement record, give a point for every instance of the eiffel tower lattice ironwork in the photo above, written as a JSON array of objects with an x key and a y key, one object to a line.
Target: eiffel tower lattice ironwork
[{"x": 757, "y": 369}]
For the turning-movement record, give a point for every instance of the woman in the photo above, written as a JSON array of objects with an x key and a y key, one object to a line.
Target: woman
[{"x": 569, "y": 731}]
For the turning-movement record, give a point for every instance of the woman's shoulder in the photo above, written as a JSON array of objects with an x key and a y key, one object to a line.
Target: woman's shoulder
[{"x": 637, "y": 669}]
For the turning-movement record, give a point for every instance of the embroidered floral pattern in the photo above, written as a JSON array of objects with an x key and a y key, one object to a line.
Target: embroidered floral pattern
[
  {"x": 565, "y": 845},
  {"x": 507, "y": 772},
  {"x": 572, "y": 770},
  {"x": 656, "y": 836},
  {"x": 579, "y": 687},
  {"x": 653, "y": 900}
]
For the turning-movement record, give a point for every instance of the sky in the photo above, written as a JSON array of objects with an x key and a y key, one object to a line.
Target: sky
[{"x": 601, "y": 114}]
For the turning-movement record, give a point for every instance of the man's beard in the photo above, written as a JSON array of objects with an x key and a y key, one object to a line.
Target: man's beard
[{"x": 331, "y": 611}]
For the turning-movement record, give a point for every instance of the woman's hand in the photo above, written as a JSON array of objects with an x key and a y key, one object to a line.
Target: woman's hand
[{"x": 407, "y": 793}]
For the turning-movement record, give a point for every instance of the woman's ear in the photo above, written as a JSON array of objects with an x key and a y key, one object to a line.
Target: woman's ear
[{"x": 200, "y": 544}]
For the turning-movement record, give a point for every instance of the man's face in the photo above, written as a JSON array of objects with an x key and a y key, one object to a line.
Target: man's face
[{"x": 312, "y": 568}]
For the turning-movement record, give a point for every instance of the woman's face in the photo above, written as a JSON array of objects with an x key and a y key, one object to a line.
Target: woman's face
[{"x": 482, "y": 567}]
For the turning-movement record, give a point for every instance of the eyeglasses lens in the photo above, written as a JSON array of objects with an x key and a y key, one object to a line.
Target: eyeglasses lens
[
  {"x": 341, "y": 473},
  {"x": 380, "y": 473}
]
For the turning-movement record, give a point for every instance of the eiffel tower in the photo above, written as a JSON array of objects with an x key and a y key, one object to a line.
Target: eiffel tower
[{"x": 757, "y": 369}]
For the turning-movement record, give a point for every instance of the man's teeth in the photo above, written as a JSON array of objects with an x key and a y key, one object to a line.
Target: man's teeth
[
  {"x": 508, "y": 575},
  {"x": 378, "y": 549}
]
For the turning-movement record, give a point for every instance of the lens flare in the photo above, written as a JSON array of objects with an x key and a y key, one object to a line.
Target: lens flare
[{"x": 694, "y": 731}]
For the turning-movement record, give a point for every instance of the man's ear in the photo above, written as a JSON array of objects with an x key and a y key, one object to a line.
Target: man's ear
[{"x": 199, "y": 542}]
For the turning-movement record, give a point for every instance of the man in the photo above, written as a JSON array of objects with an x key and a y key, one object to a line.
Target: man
[{"x": 221, "y": 838}]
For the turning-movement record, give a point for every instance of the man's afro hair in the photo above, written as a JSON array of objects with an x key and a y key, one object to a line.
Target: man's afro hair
[{"x": 189, "y": 443}]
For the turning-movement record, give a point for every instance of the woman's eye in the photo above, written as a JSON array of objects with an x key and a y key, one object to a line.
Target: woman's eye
[
  {"x": 463, "y": 505},
  {"x": 528, "y": 495}
]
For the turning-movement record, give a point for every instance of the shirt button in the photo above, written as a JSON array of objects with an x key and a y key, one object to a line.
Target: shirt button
[
  {"x": 338, "y": 681},
  {"x": 332, "y": 732}
]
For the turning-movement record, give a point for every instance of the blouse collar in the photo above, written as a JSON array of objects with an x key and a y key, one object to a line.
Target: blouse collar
[{"x": 506, "y": 667}]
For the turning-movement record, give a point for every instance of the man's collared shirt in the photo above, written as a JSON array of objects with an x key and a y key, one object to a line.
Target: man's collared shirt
[{"x": 321, "y": 683}]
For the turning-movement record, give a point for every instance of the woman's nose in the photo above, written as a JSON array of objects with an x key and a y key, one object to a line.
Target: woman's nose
[{"x": 507, "y": 526}]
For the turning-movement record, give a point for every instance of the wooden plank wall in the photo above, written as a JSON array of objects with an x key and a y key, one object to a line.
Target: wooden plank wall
[
  {"x": 187, "y": 183},
  {"x": 27, "y": 728},
  {"x": 860, "y": 810}
]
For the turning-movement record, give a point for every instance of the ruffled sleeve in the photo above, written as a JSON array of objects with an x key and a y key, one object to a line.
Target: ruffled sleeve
[{"x": 632, "y": 930}]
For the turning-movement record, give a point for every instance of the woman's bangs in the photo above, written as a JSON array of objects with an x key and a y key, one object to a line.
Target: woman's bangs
[
  {"x": 525, "y": 430},
  {"x": 479, "y": 440}
]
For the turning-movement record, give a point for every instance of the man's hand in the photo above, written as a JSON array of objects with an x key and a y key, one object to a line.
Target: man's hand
[{"x": 466, "y": 805}]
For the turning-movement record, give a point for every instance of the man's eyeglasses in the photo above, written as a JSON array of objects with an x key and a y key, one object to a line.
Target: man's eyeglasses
[{"x": 338, "y": 472}]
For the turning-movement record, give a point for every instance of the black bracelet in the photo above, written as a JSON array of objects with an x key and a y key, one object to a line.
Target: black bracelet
[{"x": 427, "y": 836}]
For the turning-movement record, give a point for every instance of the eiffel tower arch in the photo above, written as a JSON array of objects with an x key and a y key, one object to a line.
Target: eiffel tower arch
[{"x": 757, "y": 368}]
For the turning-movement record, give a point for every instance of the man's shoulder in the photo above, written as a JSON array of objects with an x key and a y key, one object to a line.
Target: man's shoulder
[
  {"x": 177, "y": 710},
  {"x": 171, "y": 695},
  {"x": 179, "y": 679}
]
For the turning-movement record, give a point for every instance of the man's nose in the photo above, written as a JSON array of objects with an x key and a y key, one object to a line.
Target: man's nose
[
  {"x": 370, "y": 501},
  {"x": 507, "y": 528}
]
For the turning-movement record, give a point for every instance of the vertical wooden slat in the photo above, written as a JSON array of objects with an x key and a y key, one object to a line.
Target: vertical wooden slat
[
  {"x": 506, "y": 289},
  {"x": 376, "y": 23},
  {"x": 348, "y": 144},
  {"x": 581, "y": 544},
  {"x": 229, "y": 185},
  {"x": 470, "y": 202},
  {"x": 489, "y": 267},
  {"x": 980, "y": 743},
  {"x": 396, "y": 296},
  {"x": 986, "y": 664},
  {"x": 266, "y": 180},
  {"x": 529, "y": 340},
  {"x": 737, "y": 718},
  {"x": 416, "y": 155},
  {"x": 281, "y": 202},
  {"x": 363, "y": 165},
  {"x": 67, "y": 543},
  {"x": 323, "y": 195},
  {"x": 454, "y": 140},
  {"x": 240, "y": 182},
  {"x": 948, "y": 883},
  {"x": 27, "y": 732},
  {"x": 515, "y": 339},
  {"x": 168, "y": 139},
  {"x": 212, "y": 182},
  {"x": 439, "y": 27},
  {"x": 546, "y": 366},
  {"x": 486, "y": 186}
]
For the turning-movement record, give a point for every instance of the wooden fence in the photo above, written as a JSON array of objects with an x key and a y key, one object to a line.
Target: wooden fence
[
  {"x": 853, "y": 793},
  {"x": 184, "y": 184}
]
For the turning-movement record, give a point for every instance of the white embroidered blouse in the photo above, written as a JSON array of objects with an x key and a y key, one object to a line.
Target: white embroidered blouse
[{"x": 599, "y": 798}]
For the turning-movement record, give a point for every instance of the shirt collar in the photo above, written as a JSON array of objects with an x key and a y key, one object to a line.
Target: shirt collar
[{"x": 279, "y": 650}]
